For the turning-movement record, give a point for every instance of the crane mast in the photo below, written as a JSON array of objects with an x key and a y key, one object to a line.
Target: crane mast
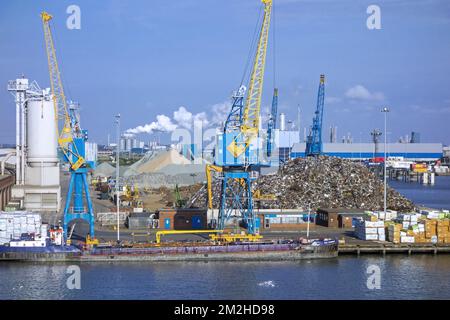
[{"x": 272, "y": 125}]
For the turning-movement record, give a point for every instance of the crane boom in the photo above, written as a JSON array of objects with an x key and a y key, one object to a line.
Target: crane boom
[
  {"x": 65, "y": 137},
  {"x": 250, "y": 115}
]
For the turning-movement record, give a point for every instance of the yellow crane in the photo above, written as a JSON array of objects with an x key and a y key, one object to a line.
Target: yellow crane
[
  {"x": 250, "y": 118},
  {"x": 236, "y": 154},
  {"x": 65, "y": 137},
  {"x": 71, "y": 140}
]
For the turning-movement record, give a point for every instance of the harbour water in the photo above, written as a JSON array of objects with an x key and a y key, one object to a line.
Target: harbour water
[
  {"x": 346, "y": 277},
  {"x": 401, "y": 277},
  {"x": 436, "y": 196}
]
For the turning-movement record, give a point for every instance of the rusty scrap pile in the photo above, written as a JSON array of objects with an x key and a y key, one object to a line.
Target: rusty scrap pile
[
  {"x": 323, "y": 182},
  {"x": 329, "y": 182}
]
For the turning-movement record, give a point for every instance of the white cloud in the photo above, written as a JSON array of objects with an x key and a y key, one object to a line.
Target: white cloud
[
  {"x": 298, "y": 89},
  {"x": 331, "y": 100},
  {"x": 359, "y": 92},
  {"x": 220, "y": 112},
  {"x": 183, "y": 117},
  {"x": 429, "y": 109},
  {"x": 186, "y": 119},
  {"x": 201, "y": 117}
]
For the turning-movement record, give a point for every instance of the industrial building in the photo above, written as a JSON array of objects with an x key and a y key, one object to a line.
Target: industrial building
[
  {"x": 285, "y": 220},
  {"x": 337, "y": 217},
  {"x": 6, "y": 184},
  {"x": 283, "y": 142},
  {"x": 182, "y": 219},
  {"x": 37, "y": 164},
  {"x": 364, "y": 151},
  {"x": 128, "y": 142},
  {"x": 140, "y": 220}
]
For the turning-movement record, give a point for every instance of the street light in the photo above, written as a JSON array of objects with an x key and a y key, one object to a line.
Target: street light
[
  {"x": 289, "y": 133},
  {"x": 309, "y": 218},
  {"x": 193, "y": 175},
  {"x": 385, "y": 110},
  {"x": 117, "y": 174}
]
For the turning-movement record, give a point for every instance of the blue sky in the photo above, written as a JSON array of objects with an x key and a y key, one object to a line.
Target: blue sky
[{"x": 149, "y": 58}]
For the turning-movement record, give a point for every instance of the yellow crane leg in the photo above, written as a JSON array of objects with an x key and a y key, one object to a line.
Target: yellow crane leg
[{"x": 209, "y": 168}]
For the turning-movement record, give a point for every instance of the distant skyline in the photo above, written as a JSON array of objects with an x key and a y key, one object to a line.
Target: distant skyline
[{"x": 164, "y": 63}]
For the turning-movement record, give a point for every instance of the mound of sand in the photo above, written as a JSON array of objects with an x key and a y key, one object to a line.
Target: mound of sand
[
  {"x": 156, "y": 161},
  {"x": 104, "y": 170}
]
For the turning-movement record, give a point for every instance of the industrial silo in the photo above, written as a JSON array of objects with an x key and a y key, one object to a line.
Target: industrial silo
[
  {"x": 42, "y": 169},
  {"x": 282, "y": 122}
]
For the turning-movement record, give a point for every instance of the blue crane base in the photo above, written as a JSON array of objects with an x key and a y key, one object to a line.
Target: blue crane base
[
  {"x": 79, "y": 191},
  {"x": 236, "y": 199}
]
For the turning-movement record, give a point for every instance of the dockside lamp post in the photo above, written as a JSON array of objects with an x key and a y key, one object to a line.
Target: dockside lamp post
[
  {"x": 385, "y": 110},
  {"x": 117, "y": 175},
  {"x": 289, "y": 133},
  {"x": 309, "y": 218}
]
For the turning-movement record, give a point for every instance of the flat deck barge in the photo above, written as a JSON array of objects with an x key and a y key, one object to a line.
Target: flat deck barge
[{"x": 241, "y": 252}]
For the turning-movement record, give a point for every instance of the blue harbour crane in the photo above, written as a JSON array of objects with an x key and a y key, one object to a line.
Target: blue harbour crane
[
  {"x": 314, "y": 144},
  {"x": 237, "y": 154},
  {"x": 272, "y": 124}
]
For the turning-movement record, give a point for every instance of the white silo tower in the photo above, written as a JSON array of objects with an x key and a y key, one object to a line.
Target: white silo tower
[
  {"x": 39, "y": 188},
  {"x": 282, "y": 122}
]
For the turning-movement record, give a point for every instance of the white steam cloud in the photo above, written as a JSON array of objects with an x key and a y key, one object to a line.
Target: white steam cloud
[
  {"x": 186, "y": 119},
  {"x": 162, "y": 124},
  {"x": 183, "y": 118}
]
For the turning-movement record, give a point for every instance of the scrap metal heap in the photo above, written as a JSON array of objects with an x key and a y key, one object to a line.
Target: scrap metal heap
[
  {"x": 330, "y": 182},
  {"x": 326, "y": 182}
]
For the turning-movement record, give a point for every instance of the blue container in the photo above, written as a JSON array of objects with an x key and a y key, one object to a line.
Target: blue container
[{"x": 167, "y": 223}]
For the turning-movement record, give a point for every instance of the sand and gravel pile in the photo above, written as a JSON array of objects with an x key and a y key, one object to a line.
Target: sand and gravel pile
[
  {"x": 104, "y": 169},
  {"x": 165, "y": 168},
  {"x": 155, "y": 161}
]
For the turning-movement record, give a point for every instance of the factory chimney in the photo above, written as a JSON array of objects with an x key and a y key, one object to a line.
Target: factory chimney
[
  {"x": 282, "y": 122},
  {"x": 376, "y": 140}
]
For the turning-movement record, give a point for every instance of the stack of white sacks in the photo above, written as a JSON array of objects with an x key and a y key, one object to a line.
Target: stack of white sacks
[
  {"x": 433, "y": 214},
  {"x": 372, "y": 226},
  {"x": 379, "y": 215},
  {"x": 410, "y": 221},
  {"x": 370, "y": 230},
  {"x": 14, "y": 224}
]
